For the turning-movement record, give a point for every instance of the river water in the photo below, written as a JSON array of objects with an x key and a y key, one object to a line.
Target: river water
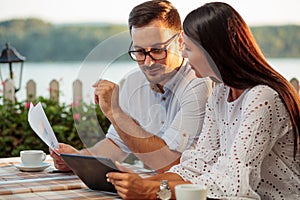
[{"x": 67, "y": 72}]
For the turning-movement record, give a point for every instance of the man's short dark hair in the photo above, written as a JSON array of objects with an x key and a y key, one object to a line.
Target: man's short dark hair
[{"x": 163, "y": 10}]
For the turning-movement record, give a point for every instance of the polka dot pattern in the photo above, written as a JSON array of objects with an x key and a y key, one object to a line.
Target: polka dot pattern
[{"x": 245, "y": 149}]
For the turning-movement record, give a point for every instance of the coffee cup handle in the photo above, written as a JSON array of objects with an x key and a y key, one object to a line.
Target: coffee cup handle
[{"x": 44, "y": 156}]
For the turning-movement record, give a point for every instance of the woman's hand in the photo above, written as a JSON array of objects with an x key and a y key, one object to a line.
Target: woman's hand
[{"x": 132, "y": 186}]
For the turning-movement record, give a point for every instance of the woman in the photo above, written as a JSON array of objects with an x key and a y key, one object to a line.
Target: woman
[{"x": 249, "y": 144}]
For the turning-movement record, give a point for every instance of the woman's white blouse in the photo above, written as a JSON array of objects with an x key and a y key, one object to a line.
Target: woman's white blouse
[{"x": 245, "y": 150}]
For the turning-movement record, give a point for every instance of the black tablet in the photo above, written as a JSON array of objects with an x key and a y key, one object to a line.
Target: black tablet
[{"x": 91, "y": 170}]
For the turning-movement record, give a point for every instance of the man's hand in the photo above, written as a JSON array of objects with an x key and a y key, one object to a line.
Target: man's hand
[
  {"x": 107, "y": 96},
  {"x": 58, "y": 162}
]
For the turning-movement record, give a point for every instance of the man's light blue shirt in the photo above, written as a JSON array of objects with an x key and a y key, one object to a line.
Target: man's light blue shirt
[{"x": 176, "y": 115}]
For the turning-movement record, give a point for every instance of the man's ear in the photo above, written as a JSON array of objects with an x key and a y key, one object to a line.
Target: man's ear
[{"x": 180, "y": 40}]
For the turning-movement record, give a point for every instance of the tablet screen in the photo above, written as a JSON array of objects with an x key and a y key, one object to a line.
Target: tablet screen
[{"x": 91, "y": 170}]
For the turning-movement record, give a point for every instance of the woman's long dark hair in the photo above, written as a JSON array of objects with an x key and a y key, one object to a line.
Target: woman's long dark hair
[{"x": 223, "y": 33}]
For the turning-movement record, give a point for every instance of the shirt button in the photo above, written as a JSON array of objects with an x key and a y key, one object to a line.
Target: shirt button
[
  {"x": 162, "y": 122},
  {"x": 163, "y": 98}
]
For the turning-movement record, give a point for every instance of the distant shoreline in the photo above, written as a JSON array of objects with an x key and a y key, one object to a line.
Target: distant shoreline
[{"x": 41, "y": 41}]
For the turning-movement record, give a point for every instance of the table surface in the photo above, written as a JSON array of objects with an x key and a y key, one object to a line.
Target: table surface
[{"x": 16, "y": 184}]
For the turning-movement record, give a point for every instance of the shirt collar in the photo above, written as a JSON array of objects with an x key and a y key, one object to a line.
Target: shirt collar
[{"x": 183, "y": 70}]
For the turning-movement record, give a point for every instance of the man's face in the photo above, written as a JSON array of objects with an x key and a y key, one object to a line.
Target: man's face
[{"x": 155, "y": 36}]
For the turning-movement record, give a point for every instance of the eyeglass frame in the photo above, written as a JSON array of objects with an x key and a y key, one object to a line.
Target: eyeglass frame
[{"x": 168, "y": 44}]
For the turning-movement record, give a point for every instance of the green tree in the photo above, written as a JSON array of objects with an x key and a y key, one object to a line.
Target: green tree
[{"x": 42, "y": 41}]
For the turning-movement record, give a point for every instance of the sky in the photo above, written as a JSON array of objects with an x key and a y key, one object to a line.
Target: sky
[{"x": 255, "y": 12}]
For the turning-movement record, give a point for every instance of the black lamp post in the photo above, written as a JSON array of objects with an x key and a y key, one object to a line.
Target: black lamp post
[{"x": 10, "y": 55}]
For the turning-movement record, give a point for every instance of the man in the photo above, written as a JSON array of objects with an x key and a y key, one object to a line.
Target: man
[{"x": 160, "y": 109}]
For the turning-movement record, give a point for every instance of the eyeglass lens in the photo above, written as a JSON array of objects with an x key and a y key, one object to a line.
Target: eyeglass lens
[{"x": 155, "y": 54}]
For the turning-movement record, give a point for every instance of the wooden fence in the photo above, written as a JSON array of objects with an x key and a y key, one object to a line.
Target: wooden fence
[{"x": 9, "y": 90}]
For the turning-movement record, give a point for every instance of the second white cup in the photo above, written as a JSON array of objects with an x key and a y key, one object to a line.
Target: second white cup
[
  {"x": 32, "y": 157},
  {"x": 190, "y": 192}
]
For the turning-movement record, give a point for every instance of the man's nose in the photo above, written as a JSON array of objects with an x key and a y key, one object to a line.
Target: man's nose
[{"x": 148, "y": 60}]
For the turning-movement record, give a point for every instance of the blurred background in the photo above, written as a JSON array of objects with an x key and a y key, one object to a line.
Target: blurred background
[{"x": 56, "y": 36}]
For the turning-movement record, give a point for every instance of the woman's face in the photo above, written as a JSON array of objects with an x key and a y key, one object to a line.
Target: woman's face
[{"x": 197, "y": 58}]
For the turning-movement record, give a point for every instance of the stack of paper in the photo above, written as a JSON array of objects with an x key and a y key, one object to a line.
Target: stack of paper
[{"x": 41, "y": 126}]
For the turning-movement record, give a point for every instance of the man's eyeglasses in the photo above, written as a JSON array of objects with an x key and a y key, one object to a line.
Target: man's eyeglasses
[{"x": 155, "y": 53}]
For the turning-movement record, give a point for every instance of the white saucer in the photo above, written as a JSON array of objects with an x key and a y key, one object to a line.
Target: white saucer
[{"x": 41, "y": 167}]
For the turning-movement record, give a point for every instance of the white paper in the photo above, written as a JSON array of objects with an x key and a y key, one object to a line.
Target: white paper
[{"x": 40, "y": 125}]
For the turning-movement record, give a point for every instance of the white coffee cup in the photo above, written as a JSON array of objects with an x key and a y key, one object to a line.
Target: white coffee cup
[
  {"x": 32, "y": 157},
  {"x": 190, "y": 192}
]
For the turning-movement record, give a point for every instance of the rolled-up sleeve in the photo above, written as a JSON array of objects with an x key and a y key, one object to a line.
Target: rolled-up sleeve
[{"x": 187, "y": 124}]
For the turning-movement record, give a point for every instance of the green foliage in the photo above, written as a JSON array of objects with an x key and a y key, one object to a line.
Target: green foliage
[
  {"x": 41, "y": 41},
  {"x": 16, "y": 134},
  {"x": 278, "y": 41}
]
